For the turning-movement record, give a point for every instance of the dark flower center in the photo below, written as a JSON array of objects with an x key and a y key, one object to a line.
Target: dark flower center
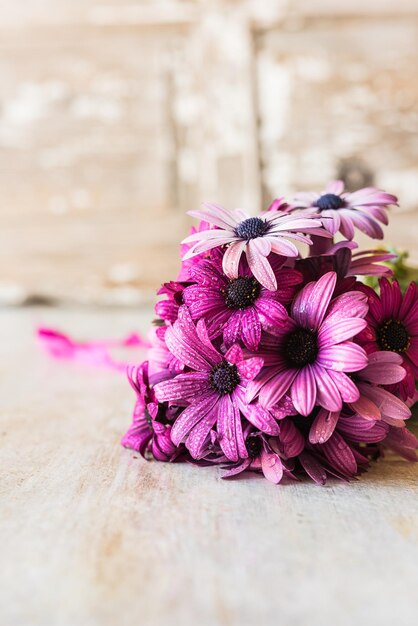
[
  {"x": 224, "y": 378},
  {"x": 252, "y": 228},
  {"x": 253, "y": 445},
  {"x": 148, "y": 417},
  {"x": 161, "y": 416},
  {"x": 303, "y": 423},
  {"x": 241, "y": 292},
  {"x": 329, "y": 201},
  {"x": 393, "y": 336},
  {"x": 301, "y": 347}
]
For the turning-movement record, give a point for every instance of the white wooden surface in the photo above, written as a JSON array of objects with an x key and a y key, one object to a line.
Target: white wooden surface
[{"x": 92, "y": 535}]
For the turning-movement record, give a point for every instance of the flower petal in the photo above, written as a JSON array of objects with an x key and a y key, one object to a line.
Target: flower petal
[
  {"x": 389, "y": 405},
  {"x": 139, "y": 433},
  {"x": 262, "y": 245},
  {"x": 283, "y": 247},
  {"x": 191, "y": 416},
  {"x": 234, "y": 471},
  {"x": 250, "y": 328},
  {"x": 199, "y": 305},
  {"x": 311, "y": 305},
  {"x": 260, "y": 267},
  {"x": 205, "y": 246},
  {"x": 292, "y": 441},
  {"x": 340, "y": 455},
  {"x": 347, "y": 356},
  {"x": 249, "y": 368},
  {"x": 348, "y": 305},
  {"x": 387, "y": 297},
  {"x": 313, "y": 468},
  {"x": 234, "y": 354},
  {"x": 199, "y": 434},
  {"x": 410, "y": 297},
  {"x": 384, "y": 373},
  {"x": 272, "y": 466},
  {"x": 182, "y": 387},
  {"x": 184, "y": 342},
  {"x": 271, "y": 311},
  {"x": 303, "y": 391},
  {"x": 232, "y": 328},
  {"x": 403, "y": 443},
  {"x": 262, "y": 419},
  {"x": 334, "y": 331},
  {"x": 335, "y": 187},
  {"x": 276, "y": 387},
  {"x": 215, "y": 214},
  {"x": 346, "y": 387},
  {"x": 231, "y": 258},
  {"x": 367, "y": 409},
  {"x": 323, "y": 426},
  {"x": 346, "y": 226},
  {"x": 328, "y": 395},
  {"x": 230, "y": 430}
]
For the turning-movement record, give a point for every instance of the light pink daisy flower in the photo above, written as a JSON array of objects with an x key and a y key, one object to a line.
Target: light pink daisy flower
[
  {"x": 257, "y": 237},
  {"x": 311, "y": 354},
  {"x": 343, "y": 211}
]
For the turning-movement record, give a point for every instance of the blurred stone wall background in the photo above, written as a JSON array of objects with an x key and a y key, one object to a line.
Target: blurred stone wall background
[{"x": 118, "y": 116}]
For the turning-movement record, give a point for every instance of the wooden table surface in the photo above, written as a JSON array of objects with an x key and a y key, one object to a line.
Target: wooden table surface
[{"x": 93, "y": 535}]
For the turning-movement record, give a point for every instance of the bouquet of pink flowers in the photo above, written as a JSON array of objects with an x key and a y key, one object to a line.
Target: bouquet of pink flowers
[{"x": 268, "y": 361}]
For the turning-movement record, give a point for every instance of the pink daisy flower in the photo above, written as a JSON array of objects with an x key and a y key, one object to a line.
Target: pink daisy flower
[
  {"x": 343, "y": 211},
  {"x": 392, "y": 325},
  {"x": 214, "y": 388},
  {"x": 238, "y": 307},
  {"x": 312, "y": 352},
  {"x": 257, "y": 237}
]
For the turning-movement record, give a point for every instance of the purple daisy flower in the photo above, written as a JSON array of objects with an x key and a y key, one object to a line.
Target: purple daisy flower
[
  {"x": 311, "y": 353},
  {"x": 392, "y": 324},
  {"x": 343, "y": 211},
  {"x": 238, "y": 307},
  {"x": 214, "y": 388},
  {"x": 257, "y": 237},
  {"x": 151, "y": 422}
]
